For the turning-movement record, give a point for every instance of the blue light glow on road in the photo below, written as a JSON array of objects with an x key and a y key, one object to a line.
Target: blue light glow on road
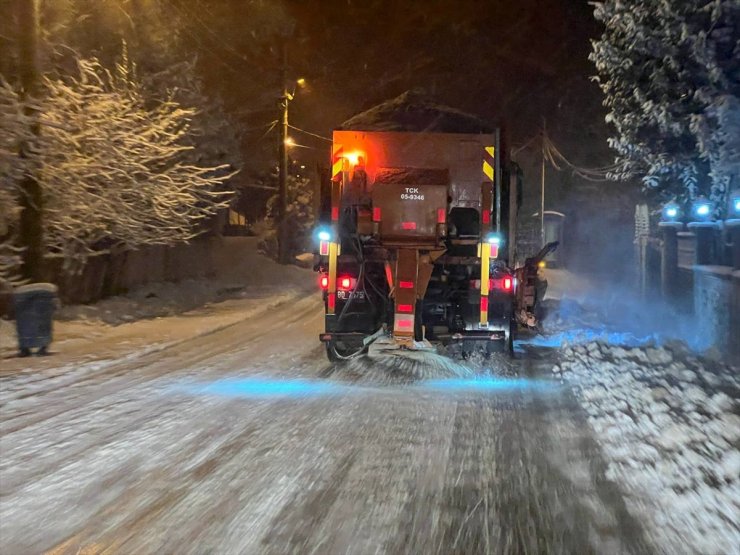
[
  {"x": 485, "y": 384},
  {"x": 581, "y": 336},
  {"x": 266, "y": 388}
]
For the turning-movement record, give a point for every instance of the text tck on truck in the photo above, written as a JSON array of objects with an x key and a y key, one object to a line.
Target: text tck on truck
[{"x": 414, "y": 232}]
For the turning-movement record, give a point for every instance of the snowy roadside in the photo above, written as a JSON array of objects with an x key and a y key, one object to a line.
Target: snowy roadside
[
  {"x": 159, "y": 315},
  {"x": 669, "y": 427}
]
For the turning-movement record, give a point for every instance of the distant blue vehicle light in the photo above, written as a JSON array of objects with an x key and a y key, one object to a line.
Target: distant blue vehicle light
[
  {"x": 324, "y": 235},
  {"x": 736, "y": 205},
  {"x": 703, "y": 210},
  {"x": 671, "y": 212}
]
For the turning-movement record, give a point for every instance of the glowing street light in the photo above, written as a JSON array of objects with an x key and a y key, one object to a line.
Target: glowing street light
[
  {"x": 671, "y": 211},
  {"x": 702, "y": 209},
  {"x": 734, "y": 211}
]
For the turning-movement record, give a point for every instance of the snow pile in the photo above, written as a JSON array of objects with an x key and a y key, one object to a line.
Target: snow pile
[
  {"x": 669, "y": 426},
  {"x": 577, "y": 313}
]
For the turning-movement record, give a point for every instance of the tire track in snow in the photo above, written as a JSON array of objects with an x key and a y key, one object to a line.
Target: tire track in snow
[{"x": 120, "y": 376}]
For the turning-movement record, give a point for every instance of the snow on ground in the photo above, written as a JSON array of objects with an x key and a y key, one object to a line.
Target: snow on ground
[
  {"x": 159, "y": 314},
  {"x": 667, "y": 420},
  {"x": 669, "y": 426}
]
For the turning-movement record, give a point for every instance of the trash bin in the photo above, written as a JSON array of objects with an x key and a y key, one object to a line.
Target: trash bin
[{"x": 34, "y": 309}]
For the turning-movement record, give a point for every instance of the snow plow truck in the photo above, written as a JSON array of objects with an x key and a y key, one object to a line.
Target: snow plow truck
[{"x": 414, "y": 241}]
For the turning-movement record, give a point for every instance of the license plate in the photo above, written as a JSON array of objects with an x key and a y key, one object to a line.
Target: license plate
[{"x": 345, "y": 295}]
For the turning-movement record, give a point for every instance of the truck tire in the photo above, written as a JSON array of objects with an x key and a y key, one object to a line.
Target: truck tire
[
  {"x": 337, "y": 354},
  {"x": 510, "y": 336},
  {"x": 418, "y": 323}
]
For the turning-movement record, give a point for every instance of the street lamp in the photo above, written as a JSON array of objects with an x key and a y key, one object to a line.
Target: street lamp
[
  {"x": 734, "y": 211},
  {"x": 702, "y": 209},
  {"x": 285, "y": 143},
  {"x": 671, "y": 212}
]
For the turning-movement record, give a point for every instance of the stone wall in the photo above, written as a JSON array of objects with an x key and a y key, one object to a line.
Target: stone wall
[{"x": 717, "y": 306}]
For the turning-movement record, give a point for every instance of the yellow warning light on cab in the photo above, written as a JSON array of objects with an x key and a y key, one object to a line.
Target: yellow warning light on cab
[{"x": 542, "y": 264}]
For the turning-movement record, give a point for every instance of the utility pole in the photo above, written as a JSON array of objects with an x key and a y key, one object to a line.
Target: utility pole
[
  {"x": 542, "y": 187},
  {"x": 31, "y": 198},
  {"x": 285, "y": 99}
]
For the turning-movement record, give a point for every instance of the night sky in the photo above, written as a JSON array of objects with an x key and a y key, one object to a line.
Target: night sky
[{"x": 511, "y": 61}]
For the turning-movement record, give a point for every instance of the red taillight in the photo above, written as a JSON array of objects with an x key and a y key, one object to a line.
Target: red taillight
[
  {"x": 405, "y": 308},
  {"x": 484, "y": 304},
  {"x": 324, "y": 282},
  {"x": 346, "y": 283},
  {"x": 376, "y": 213},
  {"x": 406, "y": 284},
  {"x": 486, "y": 217},
  {"x": 404, "y": 323},
  {"x": 334, "y": 213},
  {"x": 441, "y": 215},
  {"x": 504, "y": 284},
  {"x": 408, "y": 226}
]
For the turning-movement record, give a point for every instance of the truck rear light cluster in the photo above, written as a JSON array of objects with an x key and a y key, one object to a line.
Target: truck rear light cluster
[
  {"x": 406, "y": 284},
  {"x": 405, "y": 308},
  {"x": 344, "y": 283},
  {"x": 502, "y": 284},
  {"x": 408, "y": 226}
]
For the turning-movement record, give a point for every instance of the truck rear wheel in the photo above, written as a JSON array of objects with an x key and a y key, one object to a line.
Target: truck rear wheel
[
  {"x": 510, "y": 333},
  {"x": 336, "y": 353},
  {"x": 418, "y": 323}
]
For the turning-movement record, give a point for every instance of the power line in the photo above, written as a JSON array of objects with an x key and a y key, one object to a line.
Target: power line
[
  {"x": 272, "y": 126},
  {"x": 202, "y": 44},
  {"x": 260, "y": 127},
  {"x": 556, "y": 158},
  {"x": 311, "y": 134},
  {"x": 192, "y": 16}
]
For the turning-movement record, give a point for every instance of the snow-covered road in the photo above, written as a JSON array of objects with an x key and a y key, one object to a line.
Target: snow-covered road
[{"x": 244, "y": 439}]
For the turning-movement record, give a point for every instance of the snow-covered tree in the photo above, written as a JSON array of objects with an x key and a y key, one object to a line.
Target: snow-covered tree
[
  {"x": 669, "y": 71},
  {"x": 299, "y": 218},
  {"x": 14, "y": 130},
  {"x": 115, "y": 169}
]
